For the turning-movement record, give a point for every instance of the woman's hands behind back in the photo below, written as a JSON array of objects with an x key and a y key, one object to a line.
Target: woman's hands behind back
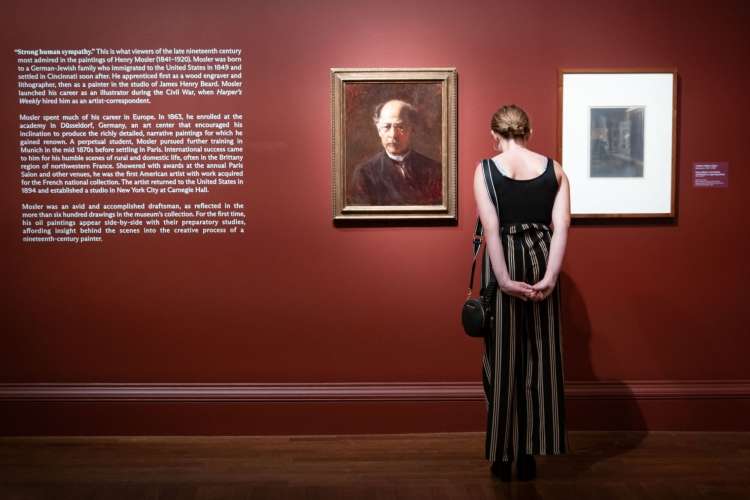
[
  {"x": 536, "y": 292},
  {"x": 518, "y": 289}
]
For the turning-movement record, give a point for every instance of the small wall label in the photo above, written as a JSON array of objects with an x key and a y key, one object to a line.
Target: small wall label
[{"x": 711, "y": 174}]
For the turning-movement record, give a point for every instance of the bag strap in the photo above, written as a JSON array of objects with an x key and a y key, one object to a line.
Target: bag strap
[{"x": 478, "y": 229}]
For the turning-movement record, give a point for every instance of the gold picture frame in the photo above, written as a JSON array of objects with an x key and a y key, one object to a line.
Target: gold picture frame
[{"x": 378, "y": 177}]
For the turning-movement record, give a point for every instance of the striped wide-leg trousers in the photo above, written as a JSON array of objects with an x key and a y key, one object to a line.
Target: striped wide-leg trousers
[{"x": 522, "y": 362}]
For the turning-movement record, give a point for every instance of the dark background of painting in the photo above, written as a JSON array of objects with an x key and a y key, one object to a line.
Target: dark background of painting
[
  {"x": 361, "y": 137},
  {"x": 298, "y": 300}
]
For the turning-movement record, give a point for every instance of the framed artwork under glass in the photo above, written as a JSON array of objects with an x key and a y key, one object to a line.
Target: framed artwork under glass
[
  {"x": 617, "y": 141},
  {"x": 394, "y": 143}
]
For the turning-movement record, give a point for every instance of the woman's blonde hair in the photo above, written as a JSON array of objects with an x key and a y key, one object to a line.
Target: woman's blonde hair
[{"x": 511, "y": 122}]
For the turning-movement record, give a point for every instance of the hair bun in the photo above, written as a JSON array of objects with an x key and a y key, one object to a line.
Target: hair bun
[{"x": 511, "y": 122}]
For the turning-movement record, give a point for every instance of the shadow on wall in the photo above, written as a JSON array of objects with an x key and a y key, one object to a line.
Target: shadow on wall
[{"x": 593, "y": 404}]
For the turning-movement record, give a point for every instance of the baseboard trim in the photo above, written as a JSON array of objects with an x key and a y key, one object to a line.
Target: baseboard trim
[
  {"x": 658, "y": 389},
  {"x": 321, "y": 392},
  {"x": 250, "y": 393}
]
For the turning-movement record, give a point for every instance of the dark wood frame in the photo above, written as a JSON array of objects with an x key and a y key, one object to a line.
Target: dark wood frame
[{"x": 673, "y": 72}]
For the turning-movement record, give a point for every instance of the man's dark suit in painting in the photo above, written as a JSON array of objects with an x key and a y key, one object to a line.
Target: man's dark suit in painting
[{"x": 418, "y": 180}]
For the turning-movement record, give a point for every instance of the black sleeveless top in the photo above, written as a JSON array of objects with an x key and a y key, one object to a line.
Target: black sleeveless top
[{"x": 527, "y": 200}]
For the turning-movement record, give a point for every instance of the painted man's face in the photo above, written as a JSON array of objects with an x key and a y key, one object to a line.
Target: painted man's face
[{"x": 395, "y": 133}]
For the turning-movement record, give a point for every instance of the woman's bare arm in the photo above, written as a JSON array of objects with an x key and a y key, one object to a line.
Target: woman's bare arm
[{"x": 560, "y": 225}]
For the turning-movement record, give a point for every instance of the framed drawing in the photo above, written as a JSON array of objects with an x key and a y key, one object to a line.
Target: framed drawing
[
  {"x": 394, "y": 143},
  {"x": 617, "y": 141}
]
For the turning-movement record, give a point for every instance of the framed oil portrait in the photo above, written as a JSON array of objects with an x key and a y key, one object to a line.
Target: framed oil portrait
[
  {"x": 394, "y": 144},
  {"x": 617, "y": 141}
]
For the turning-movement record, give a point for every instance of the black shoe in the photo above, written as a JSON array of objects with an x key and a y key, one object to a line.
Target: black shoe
[
  {"x": 502, "y": 469},
  {"x": 526, "y": 467}
]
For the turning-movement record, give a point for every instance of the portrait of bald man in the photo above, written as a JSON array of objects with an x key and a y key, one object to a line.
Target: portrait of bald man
[{"x": 397, "y": 174}]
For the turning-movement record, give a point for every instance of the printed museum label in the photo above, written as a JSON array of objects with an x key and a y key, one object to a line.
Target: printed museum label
[{"x": 711, "y": 174}]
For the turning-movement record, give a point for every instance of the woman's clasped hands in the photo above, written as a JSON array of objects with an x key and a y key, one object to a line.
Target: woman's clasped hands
[{"x": 522, "y": 290}]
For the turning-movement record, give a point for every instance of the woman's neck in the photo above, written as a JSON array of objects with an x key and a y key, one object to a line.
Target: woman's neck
[{"x": 511, "y": 146}]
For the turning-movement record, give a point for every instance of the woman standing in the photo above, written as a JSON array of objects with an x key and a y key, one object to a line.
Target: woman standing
[{"x": 525, "y": 242}]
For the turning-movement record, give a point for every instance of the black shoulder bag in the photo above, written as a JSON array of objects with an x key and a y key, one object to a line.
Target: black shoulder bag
[{"x": 478, "y": 314}]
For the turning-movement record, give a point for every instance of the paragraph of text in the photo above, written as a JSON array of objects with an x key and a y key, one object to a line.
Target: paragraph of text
[
  {"x": 92, "y": 223},
  {"x": 130, "y": 153},
  {"x": 125, "y": 76}
]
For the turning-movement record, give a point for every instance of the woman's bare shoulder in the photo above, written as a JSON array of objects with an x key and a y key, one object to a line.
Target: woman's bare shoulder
[{"x": 559, "y": 172}]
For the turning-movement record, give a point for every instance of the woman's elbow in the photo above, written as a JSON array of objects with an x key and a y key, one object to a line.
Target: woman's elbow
[
  {"x": 491, "y": 226},
  {"x": 561, "y": 222}
]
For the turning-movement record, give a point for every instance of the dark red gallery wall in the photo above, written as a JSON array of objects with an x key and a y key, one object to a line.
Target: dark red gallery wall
[{"x": 298, "y": 300}]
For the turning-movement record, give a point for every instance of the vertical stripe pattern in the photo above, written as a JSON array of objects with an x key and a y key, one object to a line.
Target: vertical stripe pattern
[{"x": 522, "y": 362}]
